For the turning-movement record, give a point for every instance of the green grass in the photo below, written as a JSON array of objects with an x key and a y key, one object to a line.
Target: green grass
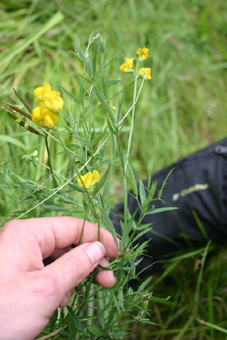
[{"x": 182, "y": 109}]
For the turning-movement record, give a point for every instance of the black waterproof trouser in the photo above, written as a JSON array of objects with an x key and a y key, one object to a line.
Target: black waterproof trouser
[{"x": 197, "y": 186}]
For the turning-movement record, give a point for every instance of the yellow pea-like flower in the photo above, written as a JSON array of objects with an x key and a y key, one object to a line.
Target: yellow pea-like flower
[
  {"x": 50, "y": 120},
  {"x": 143, "y": 53},
  {"x": 44, "y": 118},
  {"x": 54, "y": 102},
  {"x": 89, "y": 179},
  {"x": 50, "y": 103},
  {"x": 145, "y": 73},
  {"x": 128, "y": 66},
  {"x": 42, "y": 91},
  {"x": 37, "y": 116}
]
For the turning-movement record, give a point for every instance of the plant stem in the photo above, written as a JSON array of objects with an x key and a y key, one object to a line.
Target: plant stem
[
  {"x": 49, "y": 161},
  {"x": 99, "y": 230},
  {"x": 133, "y": 115},
  {"x": 125, "y": 200},
  {"x": 124, "y": 179},
  {"x": 82, "y": 231},
  {"x": 125, "y": 163}
]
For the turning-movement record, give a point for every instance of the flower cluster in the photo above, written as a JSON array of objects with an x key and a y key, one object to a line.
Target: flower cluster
[
  {"x": 49, "y": 104},
  {"x": 145, "y": 73},
  {"x": 130, "y": 64},
  {"x": 89, "y": 179}
]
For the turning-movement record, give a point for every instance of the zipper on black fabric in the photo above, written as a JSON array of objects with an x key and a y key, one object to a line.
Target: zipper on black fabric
[{"x": 221, "y": 150}]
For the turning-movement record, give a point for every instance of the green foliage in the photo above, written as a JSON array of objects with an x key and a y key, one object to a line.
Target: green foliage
[
  {"x": 181, "y": 109},
  {"x": 91, "y": 151}
]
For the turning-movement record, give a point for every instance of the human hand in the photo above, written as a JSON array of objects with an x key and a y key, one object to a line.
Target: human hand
[{"x": 30, "y": 292}]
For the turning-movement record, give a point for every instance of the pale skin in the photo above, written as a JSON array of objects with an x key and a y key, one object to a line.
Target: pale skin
[{"x": 30, "y": 292}]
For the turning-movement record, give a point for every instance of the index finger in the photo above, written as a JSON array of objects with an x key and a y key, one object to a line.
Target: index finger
[{"x": 62, "y": 232}]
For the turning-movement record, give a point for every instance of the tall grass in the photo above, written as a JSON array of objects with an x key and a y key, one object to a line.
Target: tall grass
[{"x": 182, "y": 109}]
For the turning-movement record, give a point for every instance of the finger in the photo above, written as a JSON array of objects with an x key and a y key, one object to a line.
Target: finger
[
  {"x": 57, "y": 253},
  {"x": 105, "y": 278},
  {"x": 67, "y": 231},
  {"x": 64, "y": 302},
  {"x": 74, "y": 266},
  {"x": 49, "y": 233}
]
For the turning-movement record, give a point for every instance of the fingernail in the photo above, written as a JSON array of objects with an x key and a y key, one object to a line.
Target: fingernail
[{"x": 95, "y": 251}]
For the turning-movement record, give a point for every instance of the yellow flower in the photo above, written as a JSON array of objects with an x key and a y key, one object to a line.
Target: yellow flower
[
  {"x": 51, "y": 99},
  {"x": 37, "y": 117},
  {"x": 42, "y": 91},
  {"x": 50, "y": 120},
  {"x": 50, "y": 103},
  {"x": 128, "y": 66},
  {"x": 145, "y": 73},
  {"x": 44, "y": 118},
  {"x": 89, "y": 179},
  {"x": 143, "y": 53},
  {"x": 54, "y": 102}
]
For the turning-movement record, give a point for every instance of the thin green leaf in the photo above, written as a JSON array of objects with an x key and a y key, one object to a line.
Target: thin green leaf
[
  {"x": 109, "y": 225},
  {"x": 22, "y": 123},
  {"x": 208, "y": 324},
  {"x": 98, "y": 138},
  {"x": 102, "y": 181},
  {"x": 159, "y": 210},
  {"x": 200, "y": 225},
  {"x": 113, "y": 81},
  {"x": 111, "y": 127},
  {"x": 25, "y": 114},
  {"x": 11, "y": 140},
  {"x": 75, "y": 319},
  {"x": 134, "y": 183},
  {"x": 142, "y": 193},
  {"x": 68, "y": 94},
  {"x": 81, "y": 91},
  {"x": 53, "y": 319},
  {"x": 93, "y": 66},
  {"x": 22, "y": 100},
  {"x": 164, "y": 184},
  {"x": 95, "y": 330},
  {"x": 53, "y": 207},
  {"x": 144, "y": 284},
  {"x": 81, "y": 54},
  {"x": 104, "y": 104},
  {"x": 139, "y": 235},
  {"x": 198, "y": 284},
  {"x": 91, "y": 40}
]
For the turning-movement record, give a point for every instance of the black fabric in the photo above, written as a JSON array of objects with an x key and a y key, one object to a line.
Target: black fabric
[{"x": 198, "y": 188}]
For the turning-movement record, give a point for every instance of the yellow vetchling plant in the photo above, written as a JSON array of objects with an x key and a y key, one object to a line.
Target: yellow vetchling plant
[
  {"x": 50, "y": 103},
  {"x": 94, "y": 151},
  {"x": 143, "y": 53},
  {"x": 128, "y": 66},
  {"x": 89, "y": 179},
  {"x": 145, "y": 73},
  {"x": 131, "y": 64}
]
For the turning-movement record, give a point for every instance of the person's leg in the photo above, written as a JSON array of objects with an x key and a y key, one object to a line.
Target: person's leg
[{"x": 197, "y": 186}]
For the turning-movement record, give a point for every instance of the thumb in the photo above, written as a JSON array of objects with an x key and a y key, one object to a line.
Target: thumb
[{"x": 73, "y": 267}]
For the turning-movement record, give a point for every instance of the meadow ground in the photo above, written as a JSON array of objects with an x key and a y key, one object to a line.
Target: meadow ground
[{"x": 183, "y": 108}]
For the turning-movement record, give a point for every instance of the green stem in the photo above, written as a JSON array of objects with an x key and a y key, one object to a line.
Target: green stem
[
  {"x": 125, "y": 163},
  {"x": 133, "y": 115},
  {"x": 125, "y": 200},
  {"x": 124, "y": 179},
  {"x": 99, "y": 230},
  {"x": 49, "y": 161},
  {"x": 82, "y": 231}
]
